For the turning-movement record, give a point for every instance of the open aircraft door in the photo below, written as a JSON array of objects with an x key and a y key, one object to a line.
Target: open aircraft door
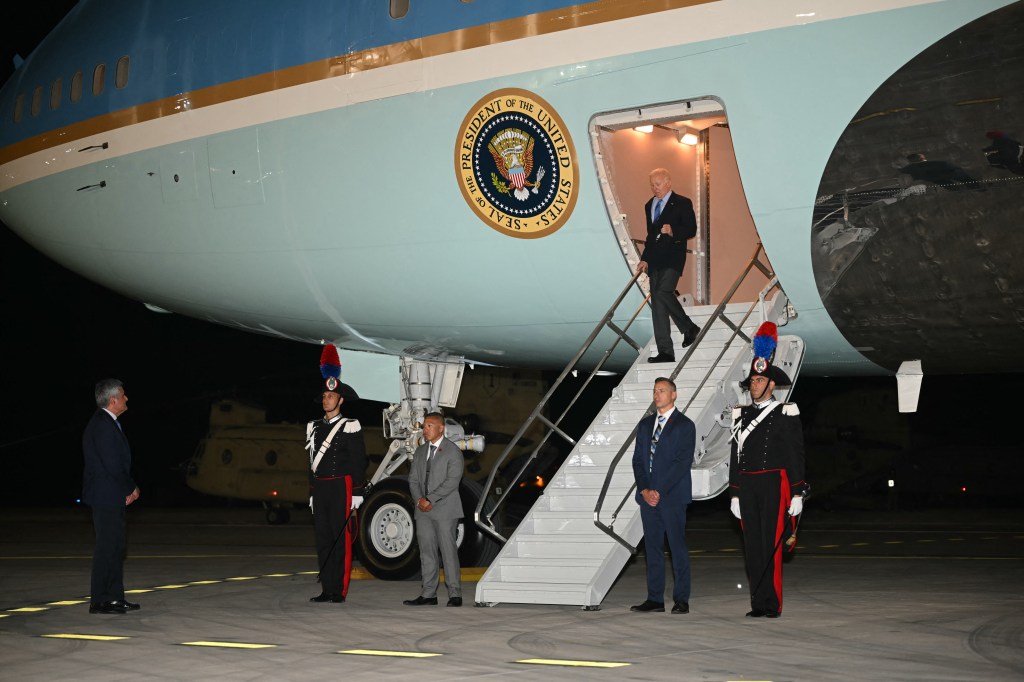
[{"x": 692, "y": 140}]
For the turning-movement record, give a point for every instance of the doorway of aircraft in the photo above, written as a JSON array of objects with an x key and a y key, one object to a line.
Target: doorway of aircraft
[{"x": 691, "y": 139}]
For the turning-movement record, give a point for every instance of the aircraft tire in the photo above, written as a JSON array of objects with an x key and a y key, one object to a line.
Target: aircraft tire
[{"x": 386, "y": 544}]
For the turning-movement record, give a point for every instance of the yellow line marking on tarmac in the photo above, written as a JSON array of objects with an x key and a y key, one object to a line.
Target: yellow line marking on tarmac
[
  {"x": 955, "y": 539},
  {"x": 205, "y": 582},
  {"x": 243, "y": 577},
  {"x": 861, "y": 544},
  {"x": 894, "y": 542},
  {"x": 98, "y": 638},
  {"x": 231, "y": 645},
  {"x": 4, "y": 615},
  {"x": 67, "y": 602},
  {"x": 730, "y": 549},
  {"x": 926, "y": 540},
  {"x": 170, "y": 587},
  {"x": 827, "y": 546},
  {"x": 29, "y": 609},
  {"x": 306, "y": 573},
  {"x": 396, "y": 654},
  {"x": 576, "y": 664},
  {"x": 139, "y": 591},
  {"x": 275, "y": 575}
]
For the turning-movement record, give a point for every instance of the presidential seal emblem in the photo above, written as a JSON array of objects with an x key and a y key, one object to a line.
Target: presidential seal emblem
[{"x": 516, "y": 164}]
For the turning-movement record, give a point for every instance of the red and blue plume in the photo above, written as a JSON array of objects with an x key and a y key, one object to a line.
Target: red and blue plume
[
  {"x": 330, "y": 364},
  {"x": 765, "y": 341}
]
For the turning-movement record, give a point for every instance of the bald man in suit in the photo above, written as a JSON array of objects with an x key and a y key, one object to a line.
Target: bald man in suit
[{"x": 434, "y": 479}]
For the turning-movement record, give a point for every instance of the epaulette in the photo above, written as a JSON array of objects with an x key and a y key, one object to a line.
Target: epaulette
[
  {"x": 352, "y": 426},
  {"x": 736, "y": 412},
  {"x": 790, "y": 410}
]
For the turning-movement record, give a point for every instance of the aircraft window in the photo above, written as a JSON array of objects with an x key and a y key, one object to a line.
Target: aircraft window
[
  {"x": 76, "y": 86},
  {"x": 99, "y": 74},
  {"x": 19, "y": 108},
  {"x": 399, "y": 8},
  {"x": 55, "y": 90},
  {"x": 226, "y": 457},
  {"x": 37, "y": 100},
  {"x": 121, "y": 73},
  {"x": 271, "y": 458}
]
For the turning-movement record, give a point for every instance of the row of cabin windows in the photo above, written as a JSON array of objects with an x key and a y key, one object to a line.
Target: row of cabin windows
[
  {"x": 99, "y": 78},
  {"x": 398, "y": 9}
]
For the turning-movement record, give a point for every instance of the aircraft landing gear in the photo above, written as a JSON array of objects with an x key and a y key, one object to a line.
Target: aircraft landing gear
[{"x": 387, "y": 545}]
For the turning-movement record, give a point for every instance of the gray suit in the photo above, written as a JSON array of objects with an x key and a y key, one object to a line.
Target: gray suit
[{"x": 436, "y": 529}]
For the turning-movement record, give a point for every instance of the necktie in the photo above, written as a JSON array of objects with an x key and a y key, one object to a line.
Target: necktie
[
  {"x": 119, "y": 427},
  {"x": 657, "y": 210},
  {"x": 654, "y": 441},
  {"x": 430, "y": 456}
]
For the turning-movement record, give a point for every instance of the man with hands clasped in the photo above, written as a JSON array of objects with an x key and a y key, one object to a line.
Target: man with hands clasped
[{"x": 662, "y": 459}]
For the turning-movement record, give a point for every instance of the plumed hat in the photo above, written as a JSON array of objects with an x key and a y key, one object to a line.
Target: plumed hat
[
  {"x": 330, "y": 370},
  {"x": 765, "y": 342}
]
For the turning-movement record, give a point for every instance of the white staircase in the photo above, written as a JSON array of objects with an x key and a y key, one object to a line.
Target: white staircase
[{"x": 558, "y": 555}]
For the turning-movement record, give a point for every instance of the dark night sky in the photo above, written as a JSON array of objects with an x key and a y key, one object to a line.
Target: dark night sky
[{"x": 61, "y": 333}]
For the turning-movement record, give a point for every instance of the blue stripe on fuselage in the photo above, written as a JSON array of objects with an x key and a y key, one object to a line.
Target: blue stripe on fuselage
[{"x": 183, "y": 46}]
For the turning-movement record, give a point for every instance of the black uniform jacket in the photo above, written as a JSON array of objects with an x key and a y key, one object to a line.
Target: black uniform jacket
[
  {"x": 345, "y": 456},
  {"x": 777, "y": 443}
]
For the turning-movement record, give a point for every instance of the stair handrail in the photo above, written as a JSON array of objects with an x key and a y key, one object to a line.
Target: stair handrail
[
  {"x": 719, "y": 313},
  {"x": 485, "y": 520}
]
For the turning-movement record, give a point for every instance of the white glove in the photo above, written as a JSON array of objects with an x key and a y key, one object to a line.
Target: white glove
[
  {"x": 796, "y": 505},
  {"x": 356, "y": 501},
  {"x": 310, "y": 503},
  {"x": 734, "y": 507}
]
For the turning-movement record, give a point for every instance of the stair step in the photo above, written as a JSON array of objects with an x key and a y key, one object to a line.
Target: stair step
[
  {"x": 533, "y": 593},
  {"x": 561, "y": 524}
]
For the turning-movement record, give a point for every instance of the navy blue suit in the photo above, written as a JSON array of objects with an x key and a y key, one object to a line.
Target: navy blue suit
[
  {"x": 106, "y": 482},
  {"x": 670, "y": 477},
  {"x": 666, "y": 257}
]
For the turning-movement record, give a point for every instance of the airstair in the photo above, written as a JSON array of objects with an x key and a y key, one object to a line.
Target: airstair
[{"x": 574, "y": 542}]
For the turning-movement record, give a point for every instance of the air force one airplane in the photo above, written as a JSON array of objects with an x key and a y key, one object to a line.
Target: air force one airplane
[
  {"x": 466, "y": 179},
  {"x": 429, "y": 183}
]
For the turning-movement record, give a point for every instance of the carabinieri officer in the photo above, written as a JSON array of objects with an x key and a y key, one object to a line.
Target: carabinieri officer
[
  {"x": 766, "y": 475},
  {"x": 337, "y": 462}
]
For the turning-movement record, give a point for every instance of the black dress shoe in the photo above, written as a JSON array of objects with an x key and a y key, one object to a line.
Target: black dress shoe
[
  {"x": 332, "y": 598},
  {"x": 661, "y": 358},
  {"x": 421, "y": 601},
  {"x": 681, "y": 607},
  {"x": 131, "y": 605},
  {"x": 756, "y": 613},
  {"x": 649, "y": 607},
  {"x": 108, "y": 607},
  {"x": 690, "y": 336},
  {"x": 455, "y": 601}
]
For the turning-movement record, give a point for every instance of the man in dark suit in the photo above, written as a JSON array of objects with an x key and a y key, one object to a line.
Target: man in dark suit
[
  {"x": 434, "y": 479},
  {"x": 108, "y": 488},
  {"x": 662, "y": 459},
  {"x": 670, "y": 222}
]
